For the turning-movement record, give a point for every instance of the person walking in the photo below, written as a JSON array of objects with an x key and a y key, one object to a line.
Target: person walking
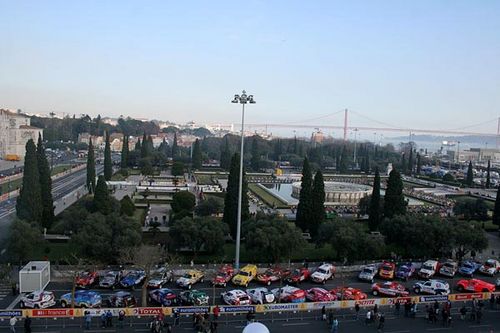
[
  {"x": 88, "y": 320},
  {"x": 121, "y": 318},
  {"x": 27, "y": 324},
  {"x": 397, "y": 307},
  {"x": 109, "y": 319},
  {"x": 177, "y": 319},
  {"x": 368, "y": 317},
  {"x": 335, "y": 325},
  {"x": 381, "y": 322},
  {"x": 356, "y": 308},
  {"x": 12, "y": 324},
  {"x": 323, "y": 313},
  {"x": 103, "y": 320}
]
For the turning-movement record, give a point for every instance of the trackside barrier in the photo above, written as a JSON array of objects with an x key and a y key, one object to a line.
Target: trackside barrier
[{"x": 228, "y": 310}]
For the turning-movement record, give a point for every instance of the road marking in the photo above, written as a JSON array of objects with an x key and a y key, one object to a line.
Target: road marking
[
  {"x": 296, "y": 324},
  {"x": 439, "y": 329}
]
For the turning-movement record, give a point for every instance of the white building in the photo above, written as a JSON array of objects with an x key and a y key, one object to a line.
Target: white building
[{"x": 15, "y": 131}]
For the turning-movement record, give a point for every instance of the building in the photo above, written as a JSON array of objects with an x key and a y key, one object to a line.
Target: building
[{"x": 15, "y": 131}]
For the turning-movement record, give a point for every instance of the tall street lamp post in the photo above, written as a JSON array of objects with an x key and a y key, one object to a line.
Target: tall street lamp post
[{"x": 242, "y": 99}]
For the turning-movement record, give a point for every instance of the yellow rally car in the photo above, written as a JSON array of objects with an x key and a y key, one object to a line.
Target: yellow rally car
[
  {"x": 190, "y": 278},
  {"x": 245, "y": 275}
]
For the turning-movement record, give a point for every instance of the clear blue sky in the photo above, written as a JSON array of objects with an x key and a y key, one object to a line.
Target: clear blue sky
[{"x": 410, "y": 63}]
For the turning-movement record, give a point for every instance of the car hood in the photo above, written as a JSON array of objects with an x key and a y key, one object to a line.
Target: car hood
[
  {"x": 155, "y": 281},
  {"x": 183, "y": 280},
  {"x": 318, "y": 275}
]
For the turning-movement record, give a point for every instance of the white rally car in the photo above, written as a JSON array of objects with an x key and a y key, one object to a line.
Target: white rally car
[
  {"x": 38, "y": 300},
  {"x": 323, "y": 273},
  {"x": 235, "y": 297},
  {"x": 490, "y": 267},
  {"x": 432, "y": 287},
  {"x": 261, "y": 296}
]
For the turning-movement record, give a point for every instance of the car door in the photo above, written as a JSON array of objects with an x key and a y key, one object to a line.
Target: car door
[
  {"x": 29, "y": 301},
  {"x": 427, "y": 288},
  {"x": 471, "y": 286}
]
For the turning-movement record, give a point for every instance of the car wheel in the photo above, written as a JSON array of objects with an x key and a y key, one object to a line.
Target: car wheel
[
  {"x": 375, "y": 292},
  {"x": 189, "y": 286},
  {"x": 417, "y": 290},
  {"x": 168, "y": 302},
  {"x": 268, "y": 283},
  {"x": 83, "y": 305},
  {"x": 460, "y": 288},
  {"x": 202, "y": 280},
  {"x": 64, "y": 304}
]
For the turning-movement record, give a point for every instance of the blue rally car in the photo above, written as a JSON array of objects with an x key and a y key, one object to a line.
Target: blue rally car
[
  {"x": 468, "y": 268},
  {"x": 405, "y": 271},
  {"x": 83, "y": 299},
  {"x": 133, "y": 279}
]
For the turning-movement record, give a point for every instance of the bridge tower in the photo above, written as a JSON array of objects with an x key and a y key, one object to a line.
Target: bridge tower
[{"x": 345, "y": 125}]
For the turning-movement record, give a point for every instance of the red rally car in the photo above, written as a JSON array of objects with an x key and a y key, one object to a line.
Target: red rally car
[
  {"x": 269, "y": 276},
  {"x": 86, "y": 279},
  {"x": 348, "y": 293},
  {"x": 319, "y": 295},
  {"x": 475, "y": 286},
  {"x": 224, "y": 275},
  {"x": 394, "y": 289},
  {"x": 298, "y": 275}
]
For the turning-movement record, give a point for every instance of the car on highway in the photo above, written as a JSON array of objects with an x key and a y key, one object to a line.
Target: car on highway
[
  {"x": 389, "y": 288},
  {"x": 298, "y": 275},
  {"x": 289, "y": 294},
  {"x": 39, "y": 299},
  {"x": 223, "y": 276},
  {"x": 133, "y": 279},
  {"x": 386, "y": 270},
  {"x": 235, "y": 297},
  {"x": 121, "y": 299},
  {"x": 190, "y": 278},
  {"x": 428, "y": 269},
  {"x": 86, "y": 279},
  {"x": 468, "y": 268},
  {"x": 260, "y": 295},
  {"x": 162, "y": 296},
  {"x": 449, "y": 268},
  {"x": 490, "y": 267},
  {"x": 323, "y": 273},
  {"x": 475, "y": 286},
  {"x": 269, "y": 276},
  {"x": 405, "y": 271},
  {"x": 368, "y": 273},
  {"x": 319, "y": 295},
  {"x": 348, "y": 293},
  {"x": 110, "y": 279},
  {"x": 431, "y": 287},
  {"x": 160, "y": 277},
  {"x": 83, "y": 299},
  {"x": 245, "y": 276},
  {"x": 193, "y": 297}
]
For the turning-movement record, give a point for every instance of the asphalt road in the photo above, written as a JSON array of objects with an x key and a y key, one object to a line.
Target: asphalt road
[{"x": 60, "y": 288}]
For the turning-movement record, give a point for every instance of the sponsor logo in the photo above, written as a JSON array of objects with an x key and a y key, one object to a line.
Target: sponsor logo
[
  {"x": 461, "y": 297},
  {"x": 365, "y": 302},
  {"x": 236, "y": 308},
  {"x": 148, "y": 311},
  {"x": 400, "y": 300},
  {"x": 8, "y": 313},
  {"x": 199, "y": 309},
  {"x": 439, "y": 298},
  {"x": 52, "y": 312},
  {"x": 280, "y": 307}
]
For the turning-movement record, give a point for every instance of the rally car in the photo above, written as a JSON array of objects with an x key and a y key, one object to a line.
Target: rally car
[
  {"x": 38, "y": 300},
  {"x": 490, "y": 267},
  {"x": 386, "y": 270},
  {"x": 163, "y": 296},
  {"x": 160, "y": 277},
  {"x": 368, "y": 273},
  {"x": 428, "y": 269},
  {"x": 449, "y": 268},
  {"x": 405, "y": 271},
  {"x": 348, "y": 293},
  {"x": 269, "y": 276},
  {"x": 245, "y": 275},
  {"x": 468, "y": 268},
  {"x": 389, "y": 289},
  {"x": 193, "y": 297},
  {"x": 319, "y": 295},
  {"x": 86, "y": 279},
  {"x": 260, "y": 295},
  {"x": 432, "y": 287},
  {"x": 323, "y": 273},
  {"x": 289, "y": 294},
  {"x": 475, "y": 286},
  {"x": 110, "y": 279},
  {"x": 191, "y": 277},
  {"x": 298, "y": 275},
  {"x": 122, "y": 299},
  {"x": 83, "y": 299},
  {"x": 236, "y": 297},
  {"x": 223, "y": 276},
  {"x": 133, "y": 279}
]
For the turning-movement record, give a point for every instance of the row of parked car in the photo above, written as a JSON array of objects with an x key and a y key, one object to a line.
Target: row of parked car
[{"x": 449, "y": 268}]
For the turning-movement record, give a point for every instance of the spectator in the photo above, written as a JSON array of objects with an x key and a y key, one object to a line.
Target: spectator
[
  {"x": 323, "y": 313},
  {"x": 27, "y": 324},
  {"x": 121, "y": 318},
  {"x": 463, "y": 312},
  {"x": 381, "y": 322},
  {"x": 356, "y": 308},
  {"x": 335, "y": 325},
  {"x": 176, "y": 317},
  {"x": 103, "y": 320},
  {"x": 407, "y": 308},
  {"x": 368, "y": 317},
  {"x": 109, "y": 319},
  {"x": 88, "y": 320},
  {"x": 397, "y": 306},
  {"x": 216, "y": 312},
  {"x": 12, "y": 323}
]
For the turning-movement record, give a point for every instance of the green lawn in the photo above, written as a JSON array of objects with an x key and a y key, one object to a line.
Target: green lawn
[
  {"x": 267, "y": 197},
  {"x": 59, "y": 168}
]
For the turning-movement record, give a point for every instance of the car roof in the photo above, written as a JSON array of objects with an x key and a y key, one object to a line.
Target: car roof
[
  {"x": 253, "y": 290},
  {"x": 237, "y": 292}
]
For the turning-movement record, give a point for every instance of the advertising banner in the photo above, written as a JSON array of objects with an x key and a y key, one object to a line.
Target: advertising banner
[
  {"x": 8, "y": 313},
  {"x": 145, "y": 311},
  {"x": 234, "y": 309},
  {"x": 53, "y": 313},
  {"x": 433, "y": 298},
  {"x": 466, "y": 297},
  {"x": 191, "y": 309},
  {"x": 282, "y": 307}
]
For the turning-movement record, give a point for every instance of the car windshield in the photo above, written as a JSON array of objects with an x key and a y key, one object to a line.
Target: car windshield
[
  {"x": 468, "y": 265},
  {"x": 404, "y": 269},
  {"x": 367, "y": 270},
  {"x": 188, "y": 276},
  {"x": 427, "y": 267},
  {"x": 84, "y": 274},
  {"x": 448, "y": 264},
  {"x": 156, "y": 276},
  {"x": 489, "y": 263},
  {"x": 386, "y": 268},
  {"x": 244, "y": 273},
  {"x": 110, "y": 275},
  {"x": 222, "y": 274},
  {"x": 322, "y": 271}
]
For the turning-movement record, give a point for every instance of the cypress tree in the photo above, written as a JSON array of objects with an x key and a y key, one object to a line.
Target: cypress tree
[
  {"x": 149, "y": 147},
  {"x": 419, "y": 164},
  {"x": 138, "y": 145},
  {"x": 90, "y": 168},
  {"x": 231, "y": 198},
  {"x": 295, "y": 145},
  {"x": 108, "y": 167},
  {"x": 470, "y": 176},
  {"x": 410, "y": 163},
  {"x": 496, "y": 210},
  {"x": 175, "y": 147},
  {"x": 305, "y": 206},
  {"x": 255, "y": 161},
  {"x": 197, "y": 158},
  {"x": 29, "y": 205},
  {"x": 488, "y": 175},
  {"x": 343, "y": 160},
  {"x": 124, "y": 157},
  {"x": 318, "y": 204},
  {"x": 374, "y": 209},
  {"x": 403, "y": 163},
  {"x": 144, "y": 146},
  {"x": 394, "y": 201},
  {"x": 102, "y": 200},
  {"x": 225, "y": 155},
  {"x": 45, "y": 185}
]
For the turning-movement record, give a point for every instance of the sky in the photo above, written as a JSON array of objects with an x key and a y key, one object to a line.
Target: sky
[{"x": 411, "y": 64}]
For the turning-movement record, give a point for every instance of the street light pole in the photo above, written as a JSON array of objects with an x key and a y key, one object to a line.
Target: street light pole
[{"x": 243, "y": 99}]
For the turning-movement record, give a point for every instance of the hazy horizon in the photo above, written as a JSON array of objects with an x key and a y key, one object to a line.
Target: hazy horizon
[{"x": 426, "y": 64}]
